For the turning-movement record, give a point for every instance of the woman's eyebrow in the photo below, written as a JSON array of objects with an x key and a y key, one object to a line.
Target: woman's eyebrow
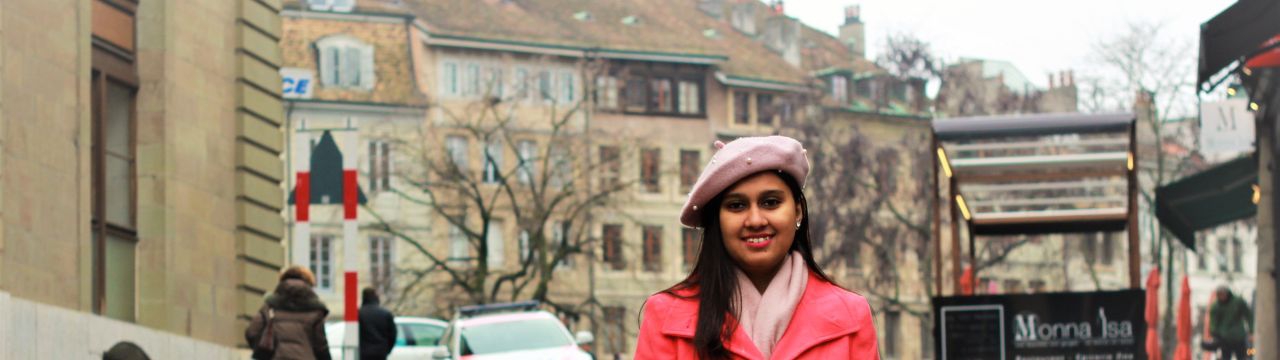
[{"x": 773, "y": 192}]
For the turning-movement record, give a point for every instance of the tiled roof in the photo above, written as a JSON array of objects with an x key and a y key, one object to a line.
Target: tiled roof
[
  {"x": 395, "y": 81},
  {"x": 661, "y": 26}
]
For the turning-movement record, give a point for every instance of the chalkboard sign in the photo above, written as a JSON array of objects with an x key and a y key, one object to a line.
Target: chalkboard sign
[{"x": 1105, "y": 325}]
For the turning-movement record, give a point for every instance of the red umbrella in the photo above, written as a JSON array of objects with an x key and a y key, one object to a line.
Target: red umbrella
[
  {"x": 1184, "y": 323},
  {"x": 1153, "y": 314}
]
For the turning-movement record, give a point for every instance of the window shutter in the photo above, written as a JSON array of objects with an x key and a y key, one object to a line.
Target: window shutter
[
  {"x": 367, "y": 74},
  {"x": 350, "y": 67},
  {"x": 386, "y": 165},
  {"x": 328, "y": 65}
]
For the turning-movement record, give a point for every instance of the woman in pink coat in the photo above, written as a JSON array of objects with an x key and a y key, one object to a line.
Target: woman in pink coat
[{"x": 755, "y": 291}]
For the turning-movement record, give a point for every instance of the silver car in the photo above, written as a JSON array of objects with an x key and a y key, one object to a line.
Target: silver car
[{"x": 416, "y": 338}]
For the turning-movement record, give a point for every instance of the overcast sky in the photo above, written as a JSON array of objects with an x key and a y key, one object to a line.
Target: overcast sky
[{"x": 1037, "y": 36}]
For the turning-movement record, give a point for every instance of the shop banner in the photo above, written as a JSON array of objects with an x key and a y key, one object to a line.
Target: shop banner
[{"x": 1104, "y": 325}]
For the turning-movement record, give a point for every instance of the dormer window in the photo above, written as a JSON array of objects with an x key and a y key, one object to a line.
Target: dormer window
[
  {"x": 840, "y": 89},
  {"x": 345, "y": 62},
  {"x": 332, "y": 5}
]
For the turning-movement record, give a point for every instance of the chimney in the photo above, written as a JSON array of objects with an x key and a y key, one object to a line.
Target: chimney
[
  {"x": 1051, "y": 83},
  {"x": 782, "y": 35},
  {"x": 778, "y": 8},
  {"x": 742, "y": 16},
  {"x": 852, "y": 32}
]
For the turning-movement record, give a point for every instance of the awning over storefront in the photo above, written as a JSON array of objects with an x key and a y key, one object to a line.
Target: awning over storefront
[
  {"x": 1218, "y": 195},
  {"x": 1235, "y": 33},
  {"x": 1039, "y": 173}
]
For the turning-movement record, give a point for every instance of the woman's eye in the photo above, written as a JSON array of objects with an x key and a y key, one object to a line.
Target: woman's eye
[
  {"x": 771, "y": 203},
  {"x": 735, "y": 205}
]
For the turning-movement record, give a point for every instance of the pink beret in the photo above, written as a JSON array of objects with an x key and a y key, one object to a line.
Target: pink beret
[{"x": 739, "y": 159}]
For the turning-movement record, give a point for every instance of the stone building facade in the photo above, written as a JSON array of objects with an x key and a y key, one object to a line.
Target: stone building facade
[{"x": 141, "y": 175}]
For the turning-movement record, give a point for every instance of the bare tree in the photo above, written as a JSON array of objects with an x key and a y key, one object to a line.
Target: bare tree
[
  {"x": 866, "y": 195},
  {"x": 547, "y": 190},
  {"x": 1142, "y": 66}
]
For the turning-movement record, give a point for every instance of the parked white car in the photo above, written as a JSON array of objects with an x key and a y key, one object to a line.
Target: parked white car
[
  {"x": 511, "y": 331},
  {"x": 416, "y": 338}
]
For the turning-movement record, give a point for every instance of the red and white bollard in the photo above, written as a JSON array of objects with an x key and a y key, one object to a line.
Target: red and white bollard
[{"x": 350, "y": 204}]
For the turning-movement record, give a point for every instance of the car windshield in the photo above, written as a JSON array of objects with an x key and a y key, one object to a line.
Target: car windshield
[{"x": 511, "y": 336}]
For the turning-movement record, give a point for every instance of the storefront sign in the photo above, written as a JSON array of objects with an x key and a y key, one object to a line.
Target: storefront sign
[
  {"x": 1105, "y": 325},
  {"x": 298, "y": 83}
]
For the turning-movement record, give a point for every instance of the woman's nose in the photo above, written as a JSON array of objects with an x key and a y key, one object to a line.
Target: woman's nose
[{"x": 755, "y": 218}]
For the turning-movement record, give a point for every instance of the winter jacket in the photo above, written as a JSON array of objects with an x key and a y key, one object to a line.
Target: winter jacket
[
  {"x": 828, "y": 323},
  {"x": 298, "y": 324},
  {"x": 377, "y": 331},
  {"x": 1227, "y": 320}
]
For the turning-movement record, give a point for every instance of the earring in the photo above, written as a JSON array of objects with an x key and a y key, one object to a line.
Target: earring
[{"x": 797, "y": 224}]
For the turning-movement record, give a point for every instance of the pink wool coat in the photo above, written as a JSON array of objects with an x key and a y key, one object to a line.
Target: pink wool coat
[{"x": 829, "y": 323}]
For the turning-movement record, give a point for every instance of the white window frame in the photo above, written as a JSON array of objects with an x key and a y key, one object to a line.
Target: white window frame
[
  {"x": 449, "y": 79},
  {"x": 492, "y": 163},
  {"x": 560, "y": 235},
  {"x": 471, "y": 80},
  {"x": 456, "y": 146},
  {"x": 520, "y": 84},
  {"x": 353, "y": 67},
  {"x": 459, "y": 248},
  {"x": 332, "y": 5},
  {"x": 321, "y": 253},
  {"x": 561, "y": 171},
  {"x": 567, "y": 87},
  {"x": 524, "y": 247},
  {"x": 607, "y": 92},
  {"x": 546, "y": 86},
  {"x": 527, "y": 155},
  {"x": 494, "y": 82},
  {"x": 840, "y": 89},
  {"x": 494, "y": 239},
  {"x": 320, "y": 5},
  {"x": 687, "y": 97},
  {"x": 379, "y": 156},
  {"x": 382, "y": 258}
]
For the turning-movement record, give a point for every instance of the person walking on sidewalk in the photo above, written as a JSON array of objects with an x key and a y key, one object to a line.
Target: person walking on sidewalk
[
  {"x": 377, "y": 327},
  {"x": 1230, "y": 324},
  {"x": 291, "y": 320}
]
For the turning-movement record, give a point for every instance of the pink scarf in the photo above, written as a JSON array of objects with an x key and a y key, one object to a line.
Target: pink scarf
[{"x": 764, "y": 317}]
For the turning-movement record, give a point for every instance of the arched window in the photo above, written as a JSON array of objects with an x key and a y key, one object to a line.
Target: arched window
[{"x": 345, "y": 62}]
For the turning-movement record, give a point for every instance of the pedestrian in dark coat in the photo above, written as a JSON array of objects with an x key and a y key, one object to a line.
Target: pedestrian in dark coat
[
  {"x": 296, "y": 318},
  {"x": 377, "y": 328}
]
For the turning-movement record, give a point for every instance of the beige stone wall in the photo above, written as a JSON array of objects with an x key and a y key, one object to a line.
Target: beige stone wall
[
  {"x": 43, "y": 147},
  {"x": 191, "y": 139}
]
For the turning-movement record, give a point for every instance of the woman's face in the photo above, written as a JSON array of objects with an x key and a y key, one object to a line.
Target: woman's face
[{"x": 758, "y": 218}]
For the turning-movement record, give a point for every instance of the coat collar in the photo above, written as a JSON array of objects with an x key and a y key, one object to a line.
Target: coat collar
[{"x": 820, "y": 316}]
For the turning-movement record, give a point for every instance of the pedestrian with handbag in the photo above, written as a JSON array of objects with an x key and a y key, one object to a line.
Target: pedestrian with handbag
[{"x": 290, "y": 324}]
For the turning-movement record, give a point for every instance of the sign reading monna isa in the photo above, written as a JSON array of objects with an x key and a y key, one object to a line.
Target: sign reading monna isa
[{"x": 1105, "y": 325}]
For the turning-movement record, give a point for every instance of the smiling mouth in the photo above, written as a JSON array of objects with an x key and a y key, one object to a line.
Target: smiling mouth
[{"x": 758, "y": 241}]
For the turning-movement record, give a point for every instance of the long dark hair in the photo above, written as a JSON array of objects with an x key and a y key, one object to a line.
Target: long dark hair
[{"x": 717, "y": 285}]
